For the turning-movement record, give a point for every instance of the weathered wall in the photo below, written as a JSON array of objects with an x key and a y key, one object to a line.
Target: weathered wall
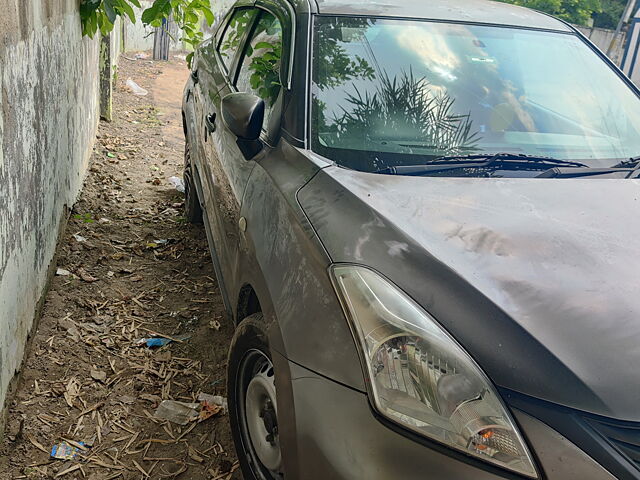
[
  {"x": 602, "y": 38},
  {"x": 138, "y": 37},
  {"x": 116, "y": 41},
  {"x": 48, "y": 120}
]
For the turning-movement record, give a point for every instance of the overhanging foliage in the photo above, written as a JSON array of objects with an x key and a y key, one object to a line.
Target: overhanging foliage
[
  {"x": 101, "y": 15},
  {"x": 573, "y": 11}
]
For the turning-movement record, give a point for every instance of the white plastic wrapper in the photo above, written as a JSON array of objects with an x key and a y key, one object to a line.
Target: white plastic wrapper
[{"x": 136, "y": 89}]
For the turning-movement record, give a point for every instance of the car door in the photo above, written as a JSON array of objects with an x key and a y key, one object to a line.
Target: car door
[
  {"x": 257, "y": 70},
  {"x": 224, "y": 171}
]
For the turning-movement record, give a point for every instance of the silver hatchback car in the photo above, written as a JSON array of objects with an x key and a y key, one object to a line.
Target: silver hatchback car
[{"x": 424, "y": 221}]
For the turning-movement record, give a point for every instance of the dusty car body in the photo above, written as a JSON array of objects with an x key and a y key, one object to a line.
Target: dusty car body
[{"x": 534, "y": 278}]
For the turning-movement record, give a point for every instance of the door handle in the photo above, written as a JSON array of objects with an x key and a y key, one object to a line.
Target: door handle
[
  {"x": 210, "y": 122},
  {"x": 194, "y": 77}
]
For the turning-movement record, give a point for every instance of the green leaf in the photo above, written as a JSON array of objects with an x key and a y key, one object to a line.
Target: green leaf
[
  {"x": 88, "y": 7},
  {"x": 90, "y": 25},
  {"x": 159, "y": 9},
  {"x": 109, "y": 10},
  {"x": 126, "y": 8},
  {"x": 136, "y": 3},
  {"x": 260, "y": 45},
  {"x": 208, "y": 15},
  {"x": 106, "y": 27},
  {"x": 149, "y": 15},
  {"x": 104, "y": 24},
  {"x": 191, "y": 17}
]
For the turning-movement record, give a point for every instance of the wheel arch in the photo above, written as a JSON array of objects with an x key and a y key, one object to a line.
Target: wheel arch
[{"x": 248, "y": 303}]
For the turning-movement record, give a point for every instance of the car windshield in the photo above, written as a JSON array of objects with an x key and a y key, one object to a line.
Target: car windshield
[{"x": 392, "y": 92}]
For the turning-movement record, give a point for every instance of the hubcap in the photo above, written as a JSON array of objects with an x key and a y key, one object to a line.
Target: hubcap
[{"x": 261, "y": 415}]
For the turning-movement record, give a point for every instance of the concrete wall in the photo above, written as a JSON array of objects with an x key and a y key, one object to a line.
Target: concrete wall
[
  {"x": 116, "y": 41},
  {"x": 602, "y": 38},
  {"x": 48, "y": 120},
  {"x": 220, "y": 9},
  {"x": 630, "y": 64},
  {"x": 138, "y": 37}
]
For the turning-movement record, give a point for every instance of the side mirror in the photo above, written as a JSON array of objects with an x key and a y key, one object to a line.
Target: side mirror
[{"x": 243, "y": 114}]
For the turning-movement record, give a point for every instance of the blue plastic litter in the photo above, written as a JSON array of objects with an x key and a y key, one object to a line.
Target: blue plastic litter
[
  {"x": 157, "y": 342},
  {"x": 64, "y": 451}
]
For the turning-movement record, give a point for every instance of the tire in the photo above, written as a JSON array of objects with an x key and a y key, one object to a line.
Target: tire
[
  {"x": 252, "y": 402},
  {"x": 192, "y": 208}
]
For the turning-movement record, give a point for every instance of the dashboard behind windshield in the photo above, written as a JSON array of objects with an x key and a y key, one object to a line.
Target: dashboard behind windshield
[{"x": 392, "y": 92}]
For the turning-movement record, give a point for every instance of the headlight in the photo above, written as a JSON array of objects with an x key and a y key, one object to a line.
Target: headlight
[{"x": 422, "y": 379}]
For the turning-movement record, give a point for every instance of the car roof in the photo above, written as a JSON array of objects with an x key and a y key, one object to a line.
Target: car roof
[{"x": 476, "y": 11}]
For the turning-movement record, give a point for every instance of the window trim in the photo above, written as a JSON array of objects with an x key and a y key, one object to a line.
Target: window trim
[{"x": 292, "y": 23}]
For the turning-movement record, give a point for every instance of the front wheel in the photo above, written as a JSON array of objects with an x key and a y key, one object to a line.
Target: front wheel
[{"x": 253, "y": 406}]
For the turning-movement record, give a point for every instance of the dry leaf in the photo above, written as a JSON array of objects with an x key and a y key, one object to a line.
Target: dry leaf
[
  {"x": 85, "y": 276},
  {"x": 36, "y": 444},
  {"x": 72, "y": 392},
  {"x": 98, "y": 375},
  {"x": 68, "y": 470},
  {"x": 208, "y": 411}
]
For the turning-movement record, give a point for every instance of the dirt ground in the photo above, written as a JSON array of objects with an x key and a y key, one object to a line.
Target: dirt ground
[{"x": 129, "y": 267}]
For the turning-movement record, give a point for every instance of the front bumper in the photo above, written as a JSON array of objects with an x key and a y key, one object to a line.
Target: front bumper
[{"x": 331, "y": 432}]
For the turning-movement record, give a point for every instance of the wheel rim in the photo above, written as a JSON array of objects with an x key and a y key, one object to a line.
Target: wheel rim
[{"x": 259, "y": 416}]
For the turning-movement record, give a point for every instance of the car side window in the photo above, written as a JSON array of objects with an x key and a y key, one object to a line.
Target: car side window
[
  {"x": 260, "y": 67},
  {"x": 234, "y": 32}
]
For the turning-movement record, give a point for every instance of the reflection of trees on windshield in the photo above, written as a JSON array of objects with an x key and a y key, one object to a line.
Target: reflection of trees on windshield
[
  {"x": 407, "y": 111},
  {"x": 397, "y": 92},
  {"x": 365, "y": 106}
]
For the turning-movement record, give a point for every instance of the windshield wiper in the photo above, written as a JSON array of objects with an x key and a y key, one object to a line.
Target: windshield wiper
[
  {"x": 512, "y": 161},
  {"x": 633, "y": 162},
  {"x": 623, "y": 170}
]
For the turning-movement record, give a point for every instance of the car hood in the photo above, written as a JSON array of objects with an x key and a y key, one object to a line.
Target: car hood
[{"x": 538, "y": 278}]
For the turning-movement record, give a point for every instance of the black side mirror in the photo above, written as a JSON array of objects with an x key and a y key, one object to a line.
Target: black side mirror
[{"x": 243, "y": 115}]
